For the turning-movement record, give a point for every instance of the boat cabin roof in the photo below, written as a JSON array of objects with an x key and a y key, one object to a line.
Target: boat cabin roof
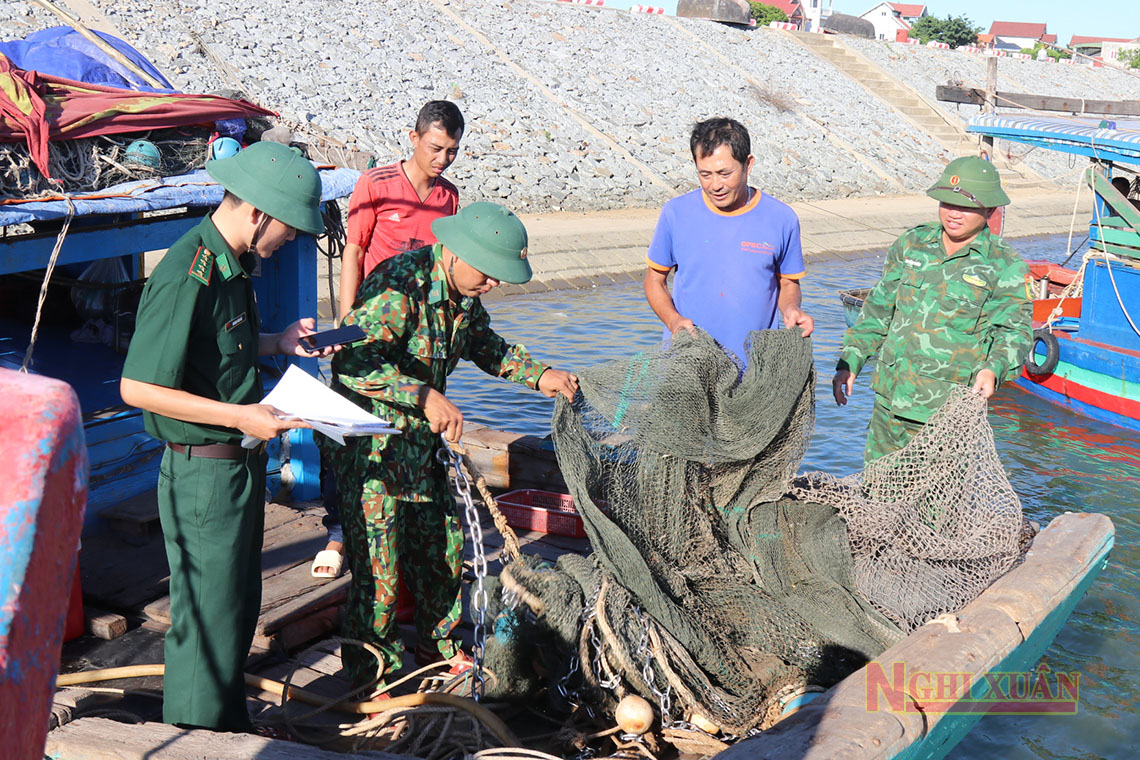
[
  {"x": 195, "y": 189},
  {"x": 1119, "y": 141}
]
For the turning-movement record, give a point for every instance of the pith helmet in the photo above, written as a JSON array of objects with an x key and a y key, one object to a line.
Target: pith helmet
[
  {"x": 489, "y": 238},
  {"x": 276, "y": 180},
  {"x": 971, "y": 182}
]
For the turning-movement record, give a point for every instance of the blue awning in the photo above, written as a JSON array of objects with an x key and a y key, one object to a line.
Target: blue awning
[
  {"x": 186, "y": 190},
  {"x": 1084, "y": 136}
]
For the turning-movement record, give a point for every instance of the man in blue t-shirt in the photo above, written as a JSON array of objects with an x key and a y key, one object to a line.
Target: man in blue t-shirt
[{"x": 736, "y": 250}]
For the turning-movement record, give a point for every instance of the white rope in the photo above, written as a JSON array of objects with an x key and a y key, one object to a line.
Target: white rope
[
  {"x": 1071, "y": 288},
  {"x": 47, "y": 278}
]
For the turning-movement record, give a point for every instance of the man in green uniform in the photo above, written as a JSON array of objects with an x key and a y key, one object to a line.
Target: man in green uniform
[
  {"x": 422, "y": 313},
  {"x": 950, "y": 309},
  {"x": 192, "y": 369}
]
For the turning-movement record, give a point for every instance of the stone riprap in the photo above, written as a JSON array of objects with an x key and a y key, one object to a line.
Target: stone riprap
[
  {"x": 923, "y": 69},
  {"x": 568, "y": 107}
]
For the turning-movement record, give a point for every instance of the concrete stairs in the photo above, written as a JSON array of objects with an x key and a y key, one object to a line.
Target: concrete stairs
[{"x": 909, "y": 103}]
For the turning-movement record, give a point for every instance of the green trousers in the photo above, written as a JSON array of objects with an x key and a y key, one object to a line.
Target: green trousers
[
  {"x": 213, "y": 517},
  {"x": 424, "y": 540},
  {"x": 887, "y": 432}
]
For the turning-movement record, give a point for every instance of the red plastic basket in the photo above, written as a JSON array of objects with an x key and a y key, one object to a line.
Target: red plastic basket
[{"x": 543, "y": 511}]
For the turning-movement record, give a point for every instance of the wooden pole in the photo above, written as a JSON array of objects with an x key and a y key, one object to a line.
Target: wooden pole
[
  {"x": 988, "y": 106},
  {"x": 100, "y": 43}
]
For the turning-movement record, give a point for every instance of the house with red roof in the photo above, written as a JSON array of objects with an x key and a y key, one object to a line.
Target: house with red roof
[
  {"x": 889, "y": 18},
  {"x": 792, "y": 8},
  {"x": 1112, "y": 50},
  {"x": 1015, "y": 35},
  {"x": 1092, "y": 45}
]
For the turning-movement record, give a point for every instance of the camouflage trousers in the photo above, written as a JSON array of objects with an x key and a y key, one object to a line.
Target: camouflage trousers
[
  {"x": 887, "y": 432},
  {"x": 384, "y": 536}
]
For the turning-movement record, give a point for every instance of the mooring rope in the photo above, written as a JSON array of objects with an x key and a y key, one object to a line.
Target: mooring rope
[{"x": 47, "y": 278}]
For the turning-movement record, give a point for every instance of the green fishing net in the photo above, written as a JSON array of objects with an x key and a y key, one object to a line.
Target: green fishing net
[{"x": 720, "y": 584}]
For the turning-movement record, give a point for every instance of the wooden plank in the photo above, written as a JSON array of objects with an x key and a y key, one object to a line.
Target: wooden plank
[
  {"x": 324, "y": 659},
  {"x": 977, "y": 96},
  {"x": 122, "y": 576},
  {"x": 158, "y": 612},
  {"x": 510, "y": 461},
  {"x": 1121, "y": 205},
  {"x": 301, "y": 631},
  {"x": 103, "y": 624},
  {"x": 1115, "y": 222},
  {"x": 279, "y": 514},
  {"x": 292, "y": 544},
  {"x": 1122, "y": 237},
  {"x": 1118, "y": 250},
  {"x": 287, "y": 598},
  {"x": 330, "y": 685},
  {"x": 104, "y": 739}
]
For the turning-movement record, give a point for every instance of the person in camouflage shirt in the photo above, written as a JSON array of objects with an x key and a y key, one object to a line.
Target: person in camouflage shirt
[
  {"x": 951, "y": 308},
  {"x": 422, "y": 314}
]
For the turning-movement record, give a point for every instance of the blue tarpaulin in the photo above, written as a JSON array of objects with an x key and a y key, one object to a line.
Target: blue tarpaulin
[
  {"x": 193, "y": 189},
  {"x": 1106, "y": 138},
  {"x": 63, "y": 52}
]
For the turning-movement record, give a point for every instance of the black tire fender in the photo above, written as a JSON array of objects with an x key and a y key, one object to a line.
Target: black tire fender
[{"x": 1052, "y": 353}]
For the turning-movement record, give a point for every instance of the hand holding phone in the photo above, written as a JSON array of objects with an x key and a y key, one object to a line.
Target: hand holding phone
[{"x": 340, "y": 336}]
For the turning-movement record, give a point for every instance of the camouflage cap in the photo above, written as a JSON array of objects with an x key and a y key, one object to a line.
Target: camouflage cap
[
  {"x": 489, "y": 238},
  {"x": 971, "y": 182}
]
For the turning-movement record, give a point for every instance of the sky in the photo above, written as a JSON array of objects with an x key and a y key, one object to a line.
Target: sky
[{"x": 1110, "y": 18}]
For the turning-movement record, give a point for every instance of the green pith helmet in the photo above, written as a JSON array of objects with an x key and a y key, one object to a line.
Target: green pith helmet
[
  {"x": 276, "y": 180},
  {"x": 971, "y": 182},
  {"x": 489, "y": 238}
]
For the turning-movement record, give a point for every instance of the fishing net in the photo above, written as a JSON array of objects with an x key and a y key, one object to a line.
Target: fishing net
[
  {"x": 96, "y": 163},
  {"x": 933, "y": 524},
  {"x": 717, "y": 587}
]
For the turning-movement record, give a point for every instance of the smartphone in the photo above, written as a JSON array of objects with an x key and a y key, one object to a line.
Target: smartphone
[{"x": 341, "y": 336}]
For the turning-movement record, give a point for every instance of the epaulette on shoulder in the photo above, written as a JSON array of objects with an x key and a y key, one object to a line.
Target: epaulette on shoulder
[{"x": 202, "y": 265}]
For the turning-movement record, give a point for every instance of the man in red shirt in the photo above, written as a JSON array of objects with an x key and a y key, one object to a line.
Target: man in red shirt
[
  {"x": 390, "y": 212},
  {"x": 392, "y": 207}
]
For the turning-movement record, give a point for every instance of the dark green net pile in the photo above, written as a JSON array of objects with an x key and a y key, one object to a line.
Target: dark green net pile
[{"x": 712, "y": 589}]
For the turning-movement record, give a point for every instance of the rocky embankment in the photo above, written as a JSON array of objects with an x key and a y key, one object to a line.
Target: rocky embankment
[
  {"x": 923, "y": 69},
  {"x": 568, "y": 107}
]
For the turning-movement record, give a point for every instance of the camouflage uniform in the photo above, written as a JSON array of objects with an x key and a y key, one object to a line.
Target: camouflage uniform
[
  {"x": 939, "y": 320},
  {"x": 394, "y": 494}
]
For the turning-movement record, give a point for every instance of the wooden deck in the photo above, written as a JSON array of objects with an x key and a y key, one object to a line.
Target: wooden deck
[
  {"x": 1006, "y": 629},
  {"x": 125, "y": 572}
]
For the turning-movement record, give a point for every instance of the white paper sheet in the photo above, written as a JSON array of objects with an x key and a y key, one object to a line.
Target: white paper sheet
[{"x": 300, "y": 396}]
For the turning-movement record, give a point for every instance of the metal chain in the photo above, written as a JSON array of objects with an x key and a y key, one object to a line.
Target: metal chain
[
  {"x": 573, "y": 697},
  {"x": 664, "y": 698},
  {"x": 479, "y": 601}
]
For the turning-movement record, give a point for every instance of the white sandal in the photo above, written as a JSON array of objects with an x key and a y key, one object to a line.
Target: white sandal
[{"x": 328, "y": 558}]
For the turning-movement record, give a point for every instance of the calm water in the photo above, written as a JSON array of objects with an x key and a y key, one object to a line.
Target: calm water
[{"x": 1056, "y": 461}]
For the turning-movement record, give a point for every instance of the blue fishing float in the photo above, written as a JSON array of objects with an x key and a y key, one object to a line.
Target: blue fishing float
[
  {"x": 224, "y": 147},
  {"x": 144, "y": 153}
]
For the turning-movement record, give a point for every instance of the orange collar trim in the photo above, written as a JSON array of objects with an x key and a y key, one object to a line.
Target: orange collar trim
[{"x": 742, "y": 210}]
